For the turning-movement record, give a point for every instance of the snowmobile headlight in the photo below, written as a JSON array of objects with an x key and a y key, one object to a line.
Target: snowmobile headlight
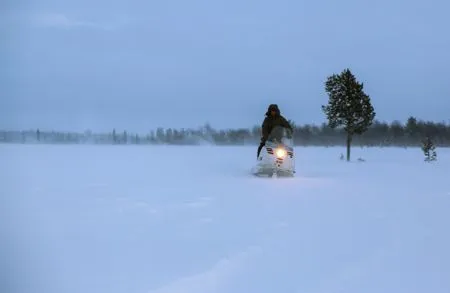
[{"x": 281, "y": 153}]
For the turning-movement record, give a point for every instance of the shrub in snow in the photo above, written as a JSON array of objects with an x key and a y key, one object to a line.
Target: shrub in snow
[{"x": 429, "y": 150}]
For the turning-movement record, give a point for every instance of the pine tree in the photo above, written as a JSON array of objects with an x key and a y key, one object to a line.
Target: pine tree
[
  {"x": 411, "y": 129},
  {"x": 348, "y": 105},
  {"x": 125, "y": 137},
  {"x": 114, "y": 136},
  {"x": 429, "y": 150}
]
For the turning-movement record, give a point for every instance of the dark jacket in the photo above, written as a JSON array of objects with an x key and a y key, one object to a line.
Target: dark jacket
[{"x": 271, "y": 121}]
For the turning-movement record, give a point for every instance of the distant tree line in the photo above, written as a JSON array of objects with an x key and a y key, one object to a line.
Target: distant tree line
[
  {"x": 350, "y": 121},
  {"x": 410, "y": 133}
]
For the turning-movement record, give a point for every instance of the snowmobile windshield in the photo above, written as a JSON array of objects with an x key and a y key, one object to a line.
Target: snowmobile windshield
[{"x": 281, "y": 135}]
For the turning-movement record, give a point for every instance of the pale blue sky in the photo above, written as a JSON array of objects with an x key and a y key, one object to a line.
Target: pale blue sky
[{"x": 76, "y": 64}]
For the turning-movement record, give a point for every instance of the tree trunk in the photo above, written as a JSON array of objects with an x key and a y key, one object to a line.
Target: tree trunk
[{"x": 349, "y": 142}]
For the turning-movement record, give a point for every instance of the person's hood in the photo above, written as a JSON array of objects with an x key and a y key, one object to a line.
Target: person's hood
[{"x": 272, "y": 107}]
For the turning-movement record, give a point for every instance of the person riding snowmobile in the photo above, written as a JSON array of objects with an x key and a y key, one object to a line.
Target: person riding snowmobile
[{"x": 273, "y": 118}]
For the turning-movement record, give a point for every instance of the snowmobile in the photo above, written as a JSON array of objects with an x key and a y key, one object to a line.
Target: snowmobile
[{"x": 277, "y": 155}]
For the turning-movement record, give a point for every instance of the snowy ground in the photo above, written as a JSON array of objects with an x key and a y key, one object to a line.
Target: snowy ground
[{"x": 140, "y": 219}]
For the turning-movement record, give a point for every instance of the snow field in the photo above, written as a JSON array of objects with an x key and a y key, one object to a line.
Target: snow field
[{"x": 154, "y": 219}]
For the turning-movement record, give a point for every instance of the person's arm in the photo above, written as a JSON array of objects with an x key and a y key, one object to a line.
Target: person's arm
[
  {"x": 286, "y": 123},
  {"x": 265, "y": 130}
]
